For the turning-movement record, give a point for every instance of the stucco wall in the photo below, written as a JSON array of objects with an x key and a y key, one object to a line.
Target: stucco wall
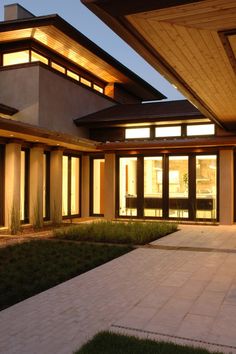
[
  {"x": 62, "y": 101},
  {"x": 19, "y": 88},
  {"x": 48, "y": 99}
]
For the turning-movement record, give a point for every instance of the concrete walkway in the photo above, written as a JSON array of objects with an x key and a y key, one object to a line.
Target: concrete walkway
[{"x": 183, "y": 296}]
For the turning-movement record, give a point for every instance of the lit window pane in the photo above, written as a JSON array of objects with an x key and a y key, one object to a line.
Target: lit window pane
[
  {"x": 16, "y": 58},
  {"x": 98, "y": 186},
  {"x": 153, "y": 189},
  {"x": 74, "y": 185},
  {"x": 38, "y": 57},
  {"x": 72, "y": 75},
  {"x": 85, "y": 82},
  {"x": 58, "y": 67},
  {"x": 128, "y": 186},
  {"x": 22, "y": 186},
  {"x": 137, "y": 133},
  {"x": 206, "y": 186},
  {"x": 178, "y": 186},
  {"x": 98, "y": 88},
  {"x": 165, "y": 132},
  {"x": 65, "y": 185},
  {"x": 201, "y": 129}
]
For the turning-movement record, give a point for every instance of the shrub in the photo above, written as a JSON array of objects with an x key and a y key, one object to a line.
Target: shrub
[{"x": 117, "y": 232}]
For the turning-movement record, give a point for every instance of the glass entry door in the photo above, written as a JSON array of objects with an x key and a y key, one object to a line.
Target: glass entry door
[{"x": 168, "y": 187}]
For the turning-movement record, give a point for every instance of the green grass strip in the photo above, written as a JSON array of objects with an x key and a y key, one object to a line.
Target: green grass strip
[
  {"x": 112, "y": 343},
  {"x": 27, "y": 269}
]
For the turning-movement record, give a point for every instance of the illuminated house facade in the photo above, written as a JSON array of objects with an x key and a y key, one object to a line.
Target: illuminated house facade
[{"x": 77, "y": 138}]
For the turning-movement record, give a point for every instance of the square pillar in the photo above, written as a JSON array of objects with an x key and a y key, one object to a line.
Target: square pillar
[
  {"x": 36, "y": 186},
  {"x": 12, "y": 183},
  {"x": 109, "y": 186},
  {"x": 226, "y": 192},
  {"x": 85, "y": 190},
  {"x": 56, "y": 186}
]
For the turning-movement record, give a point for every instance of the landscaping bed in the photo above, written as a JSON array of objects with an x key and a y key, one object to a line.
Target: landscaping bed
[
  {"x": 135, "y": 233},
  {"x": 28, "y": 268},
  {"x": 112, "y": 343}
]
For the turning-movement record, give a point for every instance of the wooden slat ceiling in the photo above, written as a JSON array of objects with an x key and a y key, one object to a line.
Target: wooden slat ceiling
[{"x": 188, "y": 39}]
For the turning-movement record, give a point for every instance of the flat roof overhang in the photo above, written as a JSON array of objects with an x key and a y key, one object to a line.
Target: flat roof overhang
[
  {"x": 191, "y": 43},
  {"x": 10, "y": 129},
  {"x": 58, "y": 35}
]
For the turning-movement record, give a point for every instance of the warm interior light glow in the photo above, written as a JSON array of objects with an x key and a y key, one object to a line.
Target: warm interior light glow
[
  {"x": 22, "y": 185},
  {"x": 74, "y": 185},
  {"x": 137, "y": 133},
  {"x": 72, "y": 75},
  {"x": 38, "y": 57},
  {"x": 85, "y": 82},
  {"x": 16, "y": 58},
  {"x": 201, "y": 129},
  {"x": 65, "y": 185},
  {"x": 165, "y": 132},
  {"x": 98, "y": 88},
  {"x": 58, "y": 67}
]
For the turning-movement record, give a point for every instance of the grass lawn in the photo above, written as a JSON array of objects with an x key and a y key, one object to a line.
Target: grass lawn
[
  {"x": 135, "y": 233},
  {"x": 27, "y": 269},
  {"x": 111, "y": 343}
]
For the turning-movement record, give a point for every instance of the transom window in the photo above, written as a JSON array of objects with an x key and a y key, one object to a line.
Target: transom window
[
  {"x": 132, "y": 133},
  {"x": 164, "y": 132},
  {"x": 27, "y": 56},
  {"x": 200, "y": 129}
]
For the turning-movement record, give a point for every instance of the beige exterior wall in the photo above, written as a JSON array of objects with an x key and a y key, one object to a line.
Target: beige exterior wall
[
  {"x": 36, "y": 186},
  {"x": 12, "y": 182},
  {"x": 48, "y": 99},
  {"x": 109, "y": 183},
  {"x": 85, "y": 186},
  {"x": 62, "y": 101},
  {"x": 226, "y": 190},
  {"x": 19, "y": 88},
  {"x": 56, "y": 186}
]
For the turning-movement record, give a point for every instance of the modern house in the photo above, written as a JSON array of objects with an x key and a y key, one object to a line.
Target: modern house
[{"x": 82, "y": 135}]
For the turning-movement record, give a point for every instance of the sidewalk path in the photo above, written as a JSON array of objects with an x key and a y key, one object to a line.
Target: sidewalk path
[{"x": 184, "y": 296}]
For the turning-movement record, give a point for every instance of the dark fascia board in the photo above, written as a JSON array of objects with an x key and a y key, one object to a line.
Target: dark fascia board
[
  {"x": 6, "y": 110},
  {"x": 58, "y": 22},
  {"x": 124, "y": 7},
  {"x": 215, "y": 142},
  {"x": 29, "y": 129},
  {"x": 124, "y": 121},
  {"x": 119, "y": 24}
]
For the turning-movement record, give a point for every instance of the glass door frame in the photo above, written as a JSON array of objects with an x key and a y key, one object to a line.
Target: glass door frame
[
  {"x": 191, "y": 200},
  {"x": 69, "y": 215}
]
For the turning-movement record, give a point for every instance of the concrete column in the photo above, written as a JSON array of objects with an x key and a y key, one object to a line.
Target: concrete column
[
  {"x": 36, "y": 186},
  {"x": 85, "y": 186},
  {"x": 12, "y": 183},
  {"x": 226, "y": 175},
  {"x": 56, "y": 186},
  {"x": 109, "y": 185}
]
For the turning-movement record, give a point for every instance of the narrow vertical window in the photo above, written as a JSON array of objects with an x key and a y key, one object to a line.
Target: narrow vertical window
[
  {"x": 178, "y": 186},
  {"x": 75, "y": 185},
  {"x": 46, "y": 185},
  {"x": 153, "y": 186},
  {"x": 98, "y": 186},
  {"x": 206, "y": 186},
  {"x": 1, "y": 185},
  {"x": 128, "y": 186},
  {"x": 65, "y": 160}
]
